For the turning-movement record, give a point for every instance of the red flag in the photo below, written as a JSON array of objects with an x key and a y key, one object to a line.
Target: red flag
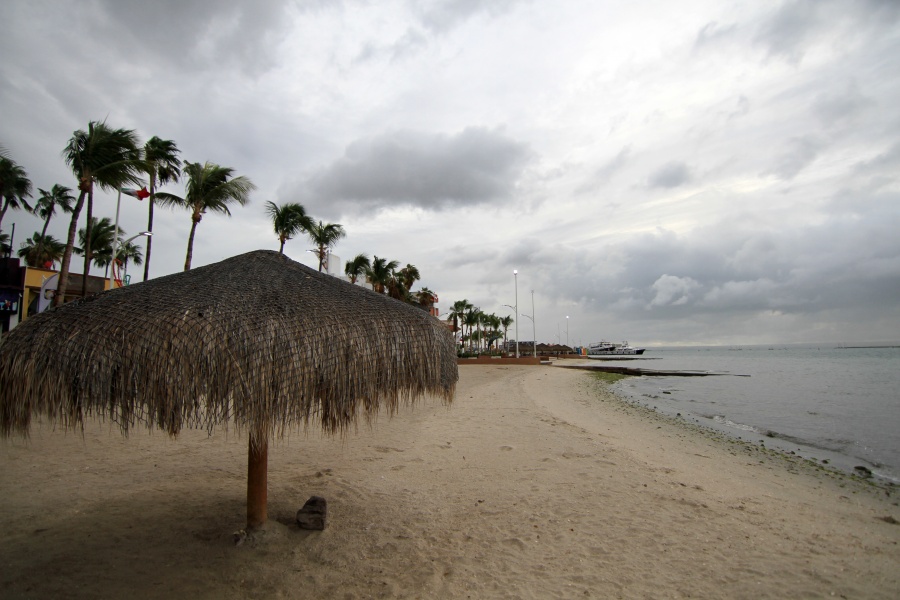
[{"x": 139, "y": 194}]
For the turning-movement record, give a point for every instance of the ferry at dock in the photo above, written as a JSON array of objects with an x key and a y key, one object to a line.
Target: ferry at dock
[{"x": 611, "y": 349}]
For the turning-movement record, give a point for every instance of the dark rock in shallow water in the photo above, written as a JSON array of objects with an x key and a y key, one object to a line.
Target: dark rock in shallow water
[
  {"x": 862, "y": 471},
  {"x": 312, "y": 515}
]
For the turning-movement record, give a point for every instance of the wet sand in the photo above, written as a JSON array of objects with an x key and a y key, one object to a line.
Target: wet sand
[{"x": 535, "y": 483}]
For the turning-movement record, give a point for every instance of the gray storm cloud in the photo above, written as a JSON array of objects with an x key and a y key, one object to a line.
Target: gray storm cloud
[{"x": 424, "y": 170}]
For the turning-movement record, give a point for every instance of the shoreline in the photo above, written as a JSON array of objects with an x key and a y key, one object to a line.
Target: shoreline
[
  {"x": 535, "y": 483},
  {"x": 789, "y": 459}
]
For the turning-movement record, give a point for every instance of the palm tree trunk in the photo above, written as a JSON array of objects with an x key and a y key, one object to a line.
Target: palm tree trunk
[
  {"x": 87, "y": 242},
  {"x": 190, "y": 247},
  {"x": 149, "y": 241},
  {"x": 149, "y": 226},
  {"x": 63, "y": 283},
  {"x": 40, "y": 247}
]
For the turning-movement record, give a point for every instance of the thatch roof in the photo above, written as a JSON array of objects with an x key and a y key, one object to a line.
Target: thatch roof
[{"x": 257, "y": 340}]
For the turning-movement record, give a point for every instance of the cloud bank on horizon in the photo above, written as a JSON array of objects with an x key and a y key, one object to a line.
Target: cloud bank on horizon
[{"x": 696, "y": 172}]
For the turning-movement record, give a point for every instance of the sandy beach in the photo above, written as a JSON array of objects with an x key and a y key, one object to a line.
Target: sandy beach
[{"x": 535, "y": 483}]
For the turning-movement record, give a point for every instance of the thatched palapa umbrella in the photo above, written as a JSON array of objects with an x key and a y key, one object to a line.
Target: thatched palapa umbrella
[{"x": 257, "y": 340}]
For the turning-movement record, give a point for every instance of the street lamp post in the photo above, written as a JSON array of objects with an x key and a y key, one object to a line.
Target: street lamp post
[
  {"x": 534, "y": 342},
  {"x": 115, "y": 252},
  {"x": 567, "y": 330},
  {"x": 516, "y": 276},
  {"x": 533, "y": 327}
]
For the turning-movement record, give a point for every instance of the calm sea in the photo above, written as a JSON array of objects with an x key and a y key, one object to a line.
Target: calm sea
[{"x": 840, "y": 404}]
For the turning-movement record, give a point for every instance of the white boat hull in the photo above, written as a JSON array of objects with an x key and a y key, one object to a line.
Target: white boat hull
[{"x": 607, "y": 349}]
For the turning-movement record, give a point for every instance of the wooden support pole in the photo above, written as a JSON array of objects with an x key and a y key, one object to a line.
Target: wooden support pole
[{"x": 257, "y": 481}]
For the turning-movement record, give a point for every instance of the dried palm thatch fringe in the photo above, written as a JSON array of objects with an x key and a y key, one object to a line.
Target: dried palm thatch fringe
[{"x": 258, "y": 341}]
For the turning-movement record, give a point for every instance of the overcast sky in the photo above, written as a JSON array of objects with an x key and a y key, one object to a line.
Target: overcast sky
[{"x": 663, "y": 172}]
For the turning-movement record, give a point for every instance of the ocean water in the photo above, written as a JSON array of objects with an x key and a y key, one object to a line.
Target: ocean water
[{"x": 824, "y": 402}]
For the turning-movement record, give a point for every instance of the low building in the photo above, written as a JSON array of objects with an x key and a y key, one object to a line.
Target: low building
[{"x": 20, "y": 290}]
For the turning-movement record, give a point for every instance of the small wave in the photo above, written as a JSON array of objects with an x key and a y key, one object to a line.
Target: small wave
[{"x": 723, "y": 420}]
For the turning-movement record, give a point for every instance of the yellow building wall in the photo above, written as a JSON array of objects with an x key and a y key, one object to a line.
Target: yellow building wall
[{"x": 34, "y": 279}]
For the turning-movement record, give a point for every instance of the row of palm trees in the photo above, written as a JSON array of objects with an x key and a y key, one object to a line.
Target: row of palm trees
[
  {"x": 42, "y": 250},
  {"x": 109, "y": 158},
  {"x": 385, "y": 277},
  {"x": 290, "y": 219},
  {"x": 478, "y": 330}
]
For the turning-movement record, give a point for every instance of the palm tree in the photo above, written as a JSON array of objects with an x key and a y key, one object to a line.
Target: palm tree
[
  {"x": 324, "y": 236},
  {"x": 379, "y": 274},
  {"x": 395, "y": 287},
  {"x": 408, "y": 275},
  {"x": 15, "y": 187},
  {"x": 472, "y": 318},
  {"x": 39, "y": 249},
  {"x": 60, "y": 197},
  {"x": 506, "y": 322},
  {"x": 128, "y": 252},
  {"x": 97, "y": 242},
  {"x": 289, "y": 220},
  {"x": 5, "y": 248},
  {"x": 426, "y": 298},
  {"x": 491, "y": 325},
  {"x": 357, "y": 267},
  {"x": 124, "y": 253},
  {"x": 163, "y": 166},
  {"x": 458, "y": 314},
  {"x": 209, "y": 188},
  {"x": 105, "y": 156}
]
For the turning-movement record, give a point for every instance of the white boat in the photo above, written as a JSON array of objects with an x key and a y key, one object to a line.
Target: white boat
[{"x": 610, "y": 349}]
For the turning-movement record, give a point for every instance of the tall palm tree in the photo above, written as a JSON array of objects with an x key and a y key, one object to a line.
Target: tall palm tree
[
  {"x": 379, "y": 273},
  {"x": 408, "y": 275},
  {"x": 97, "y": 242},
  {"x": 324, "y": 236},
  {"x": 288, "y": 220},
  {"x": 107, "y": 157},
  {"x": 15, "y": 187},
  {"x": 357, "y": 267},
  {"x": 39, "y": 249},
  {"x": 163, "y": 166},
  {"x": 59, "y": 197},
  {"x": 209, "y": 188}
]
